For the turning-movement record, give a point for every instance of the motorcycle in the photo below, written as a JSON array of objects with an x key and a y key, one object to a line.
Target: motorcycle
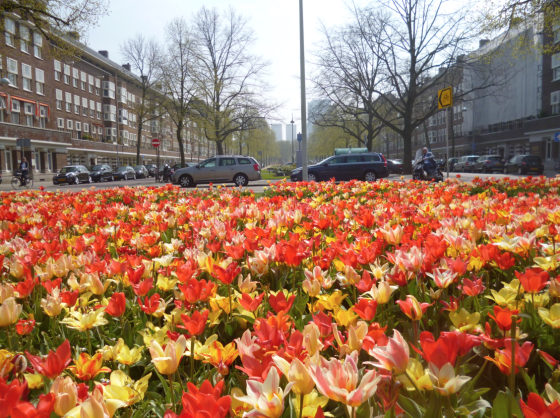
[
  {"x": 434, "y": 173},
  {"x": 161, "y": 177}
]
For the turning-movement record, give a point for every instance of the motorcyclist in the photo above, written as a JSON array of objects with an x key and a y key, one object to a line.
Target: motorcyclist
[
  {"x": 428, "y": 161},
  {"x": 166, "y": 170}
]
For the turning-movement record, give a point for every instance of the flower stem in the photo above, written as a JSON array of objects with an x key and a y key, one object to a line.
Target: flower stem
[
  {"x": 449, "y": 408},
  {"x": 88, "y": 342},
  {"x": 230, "y": 304},
  {"x": 416, "y": 387},
  {"x": 8, "y": 337},
  {"x": 301, "y": 405},
  {"x": 512, "y": 371},
  {"x": 172, "y": 392},
  {"x": 192, "y": 359}
]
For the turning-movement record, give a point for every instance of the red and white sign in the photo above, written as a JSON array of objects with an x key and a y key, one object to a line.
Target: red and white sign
[{"x": 155, "y": 142}]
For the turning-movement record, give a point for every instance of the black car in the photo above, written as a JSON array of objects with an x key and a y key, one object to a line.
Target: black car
[
  {"x": 124, "y": 173},
  {"x": 141, "y": 172},
  {"x": 152, "y": 169},
  {"x": 72, "y": 174},
  {"x": 395, "y": 166},
  {"x": 368, "y": 167},
  {"x": 524, "y": 164},
  {"x": 489, "y": 164},
  {"x": 101, "y": 172}
]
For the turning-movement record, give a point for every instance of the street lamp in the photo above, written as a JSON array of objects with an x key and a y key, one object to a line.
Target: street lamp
[
  {"x": 5, "y": 81},
  {"x": 292, "y": 122},
  {"x": 303, "y": 102}
]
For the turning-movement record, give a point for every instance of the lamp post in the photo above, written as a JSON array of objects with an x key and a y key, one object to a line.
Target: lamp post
[
  {"x": 292, "y": 122},
  {"x": 5, "y": 81},
  {"x": 303, "y": 103}
]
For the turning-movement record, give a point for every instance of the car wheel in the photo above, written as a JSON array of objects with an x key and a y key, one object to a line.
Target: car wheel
[
  {"x": 76, "y": 180},
  {"x": 519, "y": 171},
  {"x": 370, "y": 176},
  {"x": 311, "y": 177},
  {"x": 186, "y": 181},
  {"x": 241, "y": 180},
  {"x": 90, "y": 179}
]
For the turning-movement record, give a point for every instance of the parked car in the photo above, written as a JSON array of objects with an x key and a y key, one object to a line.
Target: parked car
[
  {"x": 465, "y": 163},
  {"x": 451, "y": 163},
  {"x": 441, "y": 164},
  {"x": 236, "y": 169},
  {"x": 489, "y": 164},
  {"x": 141, "y": 172},
  {"x": 72, "y": 174},
  {"x": 177, "y": 166},
  {"x": 524, "y": 164},
  {"x": 152, "y": 169},
  {"x": 395, "y": 166},
  {"x": 101, "y": 172},
  {"x": 124, "y": 173},
  {"x": 368, "y": 167}
]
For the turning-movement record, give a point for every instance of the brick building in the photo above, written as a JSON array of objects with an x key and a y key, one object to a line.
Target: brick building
[{"x": 77, "y": 110}]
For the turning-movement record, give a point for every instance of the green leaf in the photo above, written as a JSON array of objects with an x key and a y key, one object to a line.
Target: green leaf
[
  {"x": 503, "y": 404},
  {"x": 529, "y": 381},
  {"x": 473, "y": 395},
  {"x": 246, "y": 318},
  {"x": 364, "y": 411},
  {"x": 474, "y": 407},
  {"x": 410, "y": 407},
  {"x": 165, "y": 388},
  {"x": 434, "y": 406}
]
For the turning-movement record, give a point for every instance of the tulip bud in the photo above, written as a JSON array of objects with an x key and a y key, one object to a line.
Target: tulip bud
[
  {"x": 66, "y": 394},
  {"x": 311, "y": 287}
]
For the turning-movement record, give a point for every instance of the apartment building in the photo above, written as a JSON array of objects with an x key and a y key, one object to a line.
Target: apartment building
[{"x": 76, "y": 110}]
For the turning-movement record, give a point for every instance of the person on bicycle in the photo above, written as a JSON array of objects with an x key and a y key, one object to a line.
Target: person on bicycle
[{"x": 24, "y": 168}]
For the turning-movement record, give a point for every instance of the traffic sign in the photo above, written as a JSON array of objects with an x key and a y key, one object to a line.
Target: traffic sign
[
  {"x": 557, "y": 137},
  {"x": 299, "y": 137},
  {"x": 445, "y": 98},
  {"x": 155, "y": 142}
]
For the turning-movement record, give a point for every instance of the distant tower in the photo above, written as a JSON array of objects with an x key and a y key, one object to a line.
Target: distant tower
[{"x": 277, "y": 129}]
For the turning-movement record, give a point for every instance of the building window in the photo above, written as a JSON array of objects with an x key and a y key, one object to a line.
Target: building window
[
  {"x": 49, "y": 160},
  {"x": 75, "y": 77},
  {"x": 66, "y": 74},
  {"x": 57, "y": 70},
  {"x": 43, "y": 113},
  {"x": 26, "y": 75},
  {"x": 556, "y": 74},
  {"x": 15, "y": 111},
  {"x": 69, "y": 125},
  {"x": 555, "y": 102},
  {"x": 68, "y": 102},
  {"x": 76, "y": 109},
  {"x": 86, "y": 127},
  {"x": 109, "y": 89},
  {"x": 8, "y": 158},
  {"x": 110, "y": 113},
  {"x": 37, "y": 45},
  {"x": 60, "y": 124},
  {"x": 10, "y": 31},
  {"x": 24, "y": 38},
  {"x": 58, "y": 99},
  {"x": 12, "y": 71},
  {"x": 556, "y": 36},
  {"x": 28, "y": 109},
  {"x": 40, "y": 81}
]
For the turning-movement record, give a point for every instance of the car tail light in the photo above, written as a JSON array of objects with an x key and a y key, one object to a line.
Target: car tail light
[
  {"x": 467, "y": 163},
  {"x": 256, "y": 167},
  {"x": 523, "y": 163},
  {"x": 384, "y": 160},
  {"x": 488, "y": 162}
]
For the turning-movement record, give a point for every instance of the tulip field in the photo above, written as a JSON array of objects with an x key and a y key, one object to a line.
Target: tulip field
[{"x": 352, "y": 300}]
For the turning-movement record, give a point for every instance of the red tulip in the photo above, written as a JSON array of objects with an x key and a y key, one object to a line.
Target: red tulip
[
  {"x": 324, "y": 323},
  {"x": 439, "y": 352},
  {"x": 502, "y": 358},
  {"x": 279, "y": 303},
  {"x": 197, "y": 291},
  {"x": 43, "y": 410},
  {"x": 25, "y": 326},
  {"x": 25, "y": 288},
  {"x": 142, "y": 288},
  {"x": 227, "y": 275},
  {"x": 117, "y": 305},
  {"x": 537, "y": 408},
  {"x": 250, "y": 304},
  {"x": 206, "y": 400},
  {"x": 533, "y": 280},
  {"x": 472, "y": 287},
  {"x": 70, "y": 298},
  {"x": 51, "y": 285},
  {"x": 548, "y": 358},
  {"x": 194, "y": 323},
  {"x": 412, "y": 308},
  {"x": 365, "y": 309},
  {"x": 10, "y": 396},
  {"x": 502, "y": 316},
  {"x": 151, "y": 304},
  {"x": 54, "y": 363}
]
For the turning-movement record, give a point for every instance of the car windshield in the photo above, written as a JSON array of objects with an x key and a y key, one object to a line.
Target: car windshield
[
  {"x": 68, "y": 170},
  {"x": 122, "y": 168},
  {"x": 324, "y": 161},
  {"x": 472, "y": 158},
  {"x": 96, "y": 168},
  {"x": 138, "y": 167},
  {"x": 495, "y": 158}
]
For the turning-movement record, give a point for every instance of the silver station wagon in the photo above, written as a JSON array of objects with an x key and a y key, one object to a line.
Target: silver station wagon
[{"x": 236, "y": 169}]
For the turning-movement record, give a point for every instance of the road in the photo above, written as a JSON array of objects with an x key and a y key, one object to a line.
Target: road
[{"x": 256, "y": 186}]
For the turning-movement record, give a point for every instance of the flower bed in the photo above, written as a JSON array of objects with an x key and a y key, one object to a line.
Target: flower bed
[{"x": 354, "y": 299}]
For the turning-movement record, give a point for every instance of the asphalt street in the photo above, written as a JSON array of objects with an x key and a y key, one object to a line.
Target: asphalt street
[{"x": 256, "y": 186}]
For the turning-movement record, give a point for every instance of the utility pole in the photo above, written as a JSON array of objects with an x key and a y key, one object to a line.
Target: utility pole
[
  {"x": 303, "y": 101},
  {"x": 292, "y": 122}
]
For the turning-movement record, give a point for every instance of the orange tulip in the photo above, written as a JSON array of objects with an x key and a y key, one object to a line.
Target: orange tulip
[{"x": 87, "y": 367}]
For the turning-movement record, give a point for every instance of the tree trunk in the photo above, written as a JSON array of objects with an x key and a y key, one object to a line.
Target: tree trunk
[
  {"x": 180, "y": 141},
  {"x": 219, "y": 147},
  {"x": 139, "y": 142},
  {"x": 407, "y": 157},
  {"x": 369, "y": 144}
]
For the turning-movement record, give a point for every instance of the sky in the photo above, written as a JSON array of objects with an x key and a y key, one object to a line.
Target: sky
[{"x": 275, "y": 22}]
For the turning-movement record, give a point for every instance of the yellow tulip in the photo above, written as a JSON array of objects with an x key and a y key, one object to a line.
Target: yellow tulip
[
  {"x": 296, "y": 372},
  {"x": 463, "y": 320},
  {"x": 110, "y": 353},
  {"x": 311, "y": 340},
  {"x": 416, "y": 372},
  {"x": 547, "y": 263},
  {"x": 85, "y": 322},
  {"x": 167, "y": 361},
  {"x": 6, "y": 364},
  {"x": 52, "y": 305},
  {"x": 551, "y": 317},
  {"x": 220, "y": 356},
  {"x": 9, "y": 312},
  {"x": 503, "y": 298},
  {"x": 238, "y": 408},
  {"x": 311, "y": 403},
  {"x": 165, "y": 283},
  {"x": 345, "y": 318},
  {"x": 34, "y": 381},
  {"x": 124, "y": 389},
  {"x": 129, "y": 357},
  {"x": 151, "y": 332},
  {"x": 66, "y": 393},
  {"x": 6, "y": 292}
]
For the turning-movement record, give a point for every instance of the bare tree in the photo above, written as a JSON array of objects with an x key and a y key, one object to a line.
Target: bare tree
[
  {"x": 422, "y": 49},
  {"x": 229, "y": 77},
  {"x": 348, "y": 71},
  {"x": 177, "y": 72},
  {"x": 145, "y": 59}
]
